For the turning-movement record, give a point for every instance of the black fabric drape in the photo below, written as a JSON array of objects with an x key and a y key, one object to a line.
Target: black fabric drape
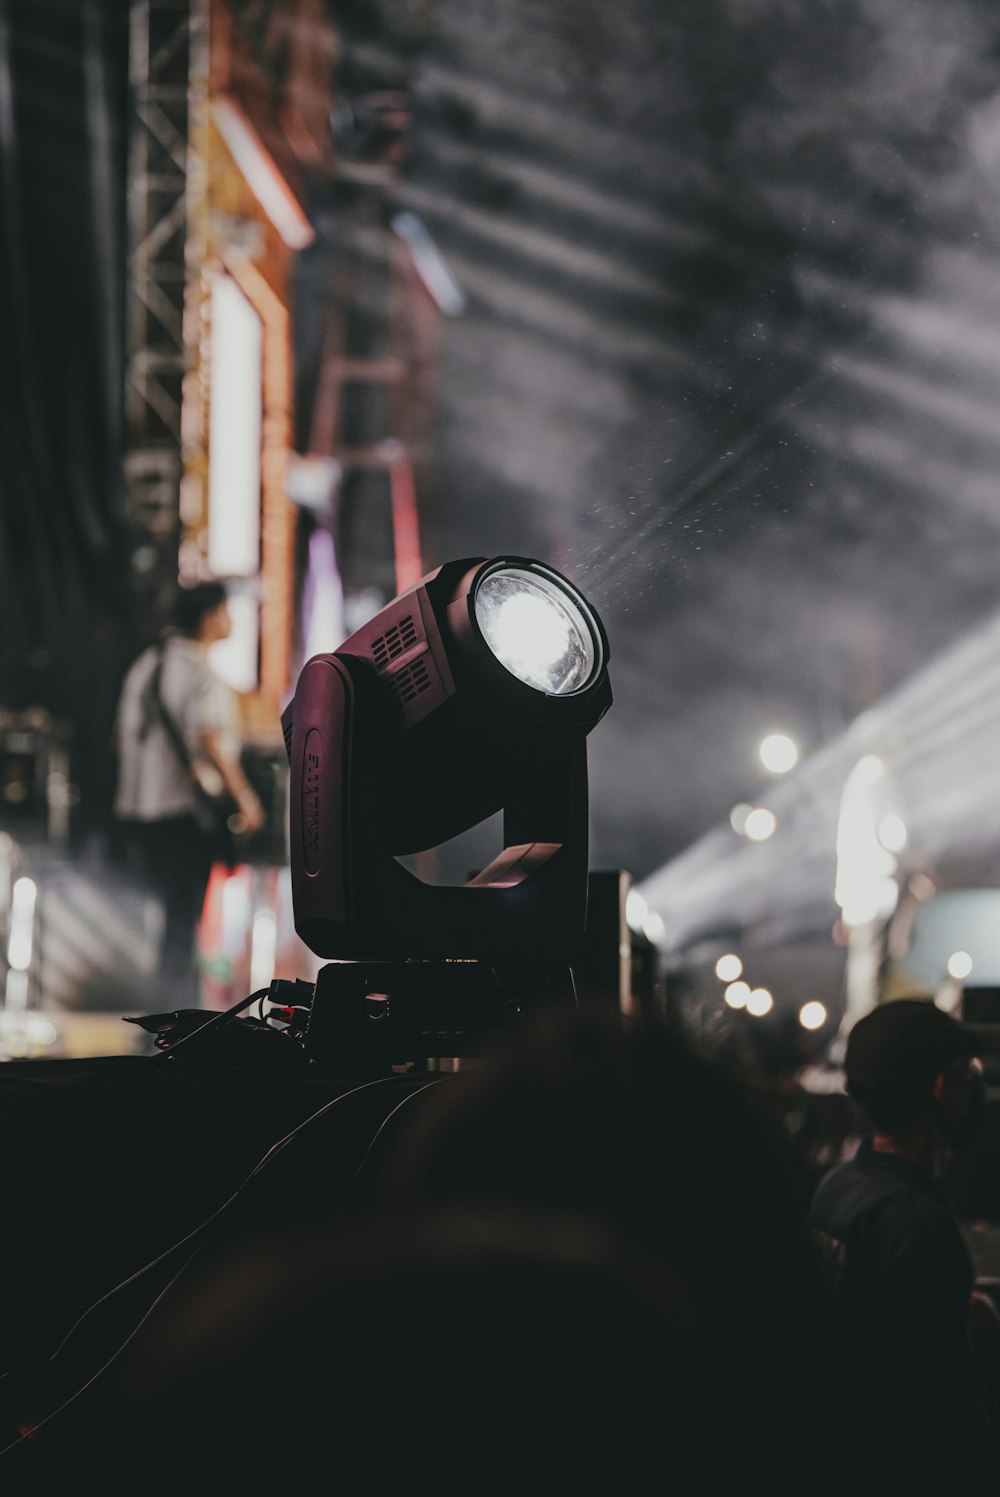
[{"x": 66, "y": 615}]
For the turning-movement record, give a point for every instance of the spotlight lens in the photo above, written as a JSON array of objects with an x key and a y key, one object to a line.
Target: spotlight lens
[
  {"x": 812, "y": 1015},
  {"x": 536, "y": 630}
]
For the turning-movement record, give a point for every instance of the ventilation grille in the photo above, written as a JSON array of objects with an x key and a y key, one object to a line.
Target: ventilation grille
[
  {"x": 394, "y": 642},
  {"x": 411, "y": 681}
]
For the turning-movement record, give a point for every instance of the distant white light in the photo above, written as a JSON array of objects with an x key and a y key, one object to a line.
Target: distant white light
[
  {"x": 892, "y": 833},
  {"x": 736, "y": 994},
  {"x": 23, "y": 1034},
  {"x": 236, "y": 368},
  {"x": 234, "y": 472},
  {"x": 959, "y": 965},
  {"x": 636, "y": 909},
  {"x": 759, "y": 1002},
  {"x": 263, "y": 949},
  {"x": 41, "y": 1031},
  {"x": 653, "y": 927},
  {"x": 262, "y": 175},
  {"x": 865, "y": 887},
  {"x": 22, "y": 924},
  {"x": 873, "y": 901},
  {"x": 760, "y": 824},
  {"x": 237, "y": 909},
  {"x": 728, "y": 967},
  {"x": 779, "y": 753},
  {"x": 812, "y": 1015},
  {"x": 431, "y": 267},
  {"x": 16, "y": 992},
  {"x": 24, "y": 894},
  {"x": 7, "y": 855},
  {"x": 312, "y": 481},
  {"x": 738, "y": 817}
]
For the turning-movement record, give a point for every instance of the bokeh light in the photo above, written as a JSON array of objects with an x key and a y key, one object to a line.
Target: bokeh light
[
  {"x": 892, "y": 833},
  {"x": 738, "y": 817},
  {"x": 737, "y": 994},
  {"x": 759, "y": 1002},
  {"x": 760, "y": 824},
  {"x": 778, "y": 753}
]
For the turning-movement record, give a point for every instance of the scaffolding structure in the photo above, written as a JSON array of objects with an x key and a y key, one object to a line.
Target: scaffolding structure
[
  {"x": 214, "y": 156},
  {"x": 166, "y": 42},
  {"x": 217, "y": 142},
  {"x": 387, "y": 292}
]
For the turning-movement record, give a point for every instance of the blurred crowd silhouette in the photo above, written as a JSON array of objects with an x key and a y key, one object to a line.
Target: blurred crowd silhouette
[{"x": 585, "y": 1256}]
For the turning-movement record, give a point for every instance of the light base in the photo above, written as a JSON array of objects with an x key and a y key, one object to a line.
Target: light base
[{"x": 371, "y": 1016}]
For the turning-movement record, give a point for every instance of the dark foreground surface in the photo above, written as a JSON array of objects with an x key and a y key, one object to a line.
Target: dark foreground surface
[{"x": 125, "y": 1165}]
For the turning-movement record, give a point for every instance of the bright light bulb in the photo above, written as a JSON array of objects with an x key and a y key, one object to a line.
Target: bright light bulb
[
  {"x": 892, "y": 833},
  {"x": 263, "y": 948},
  {"x": 759, "y": 1002},
  {"x": 41, "y": 1031},
  {"x": 875, "y": 901},
  {"x": 728, "y": 967},
  {"x": 536, "y": 630},
  {"x": 812, "y": 1015},
  {"x": 959, "y": 965},
  {"x": 24, "y": 895},
  {"x": 736, "y": 994},
  {"x": 22, "y": 924},
  {"x": 738, "y": 817},
  {"x": 654, "y": 928},
  {"x": 15, "y": 994},
  {"x": 528, "y": 628},
  {"x": 760, "y": 824},
  {"x": 778, "y": 753},
  {"x": 636, "y": 909}
]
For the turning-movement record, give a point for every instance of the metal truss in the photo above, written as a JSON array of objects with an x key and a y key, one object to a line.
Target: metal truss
[{"x": 167, "y": 61}]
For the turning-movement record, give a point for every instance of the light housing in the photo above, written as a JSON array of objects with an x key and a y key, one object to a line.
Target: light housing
[{"x": 470, "y": 693}]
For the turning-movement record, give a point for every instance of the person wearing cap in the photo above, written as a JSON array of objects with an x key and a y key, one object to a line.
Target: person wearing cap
[{"x": 899, "y": 1262}]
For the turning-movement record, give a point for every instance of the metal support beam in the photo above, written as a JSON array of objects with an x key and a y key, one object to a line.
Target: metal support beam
[{"x": 167, "y": 51}]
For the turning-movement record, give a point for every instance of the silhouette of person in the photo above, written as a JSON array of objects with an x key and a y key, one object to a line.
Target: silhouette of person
[
  {"x": 580, "y": 1257},
  {"x": 904, "y": 1278},
  {"x": 173, "y": 713}
]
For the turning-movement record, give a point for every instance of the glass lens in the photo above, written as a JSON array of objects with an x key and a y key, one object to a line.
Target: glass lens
[{"x": 536, "y": 630}]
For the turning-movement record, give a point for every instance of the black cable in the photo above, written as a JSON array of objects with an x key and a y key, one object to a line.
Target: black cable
[
  {"x": 229, "y": 1013},
  {"x": 203, "y": 1227},
  {"x": 387, "y": 1120}
]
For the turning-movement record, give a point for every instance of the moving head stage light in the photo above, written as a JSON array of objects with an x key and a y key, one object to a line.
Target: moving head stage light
[{"x": 471, "y": 693}]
